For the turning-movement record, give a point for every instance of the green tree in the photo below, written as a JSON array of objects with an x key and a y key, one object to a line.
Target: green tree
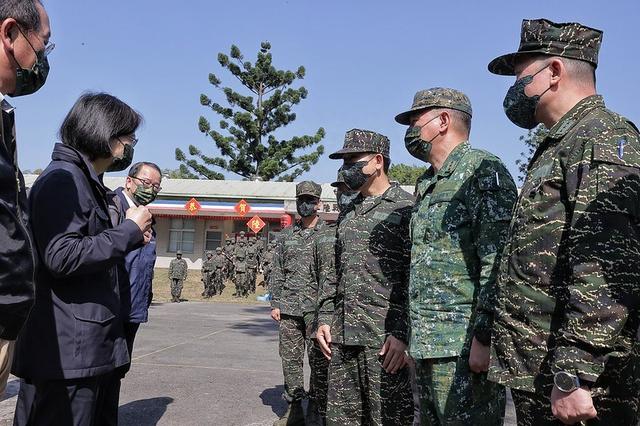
[
  {"x": 405, "y": 174},
  {"x": 532, "y": 139},
  {"x": 248, "y": 146},
  {"x": 180, "y": 173}
]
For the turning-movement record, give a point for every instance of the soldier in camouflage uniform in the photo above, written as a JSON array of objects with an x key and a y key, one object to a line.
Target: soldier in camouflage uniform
[
  {"x": 565, "y": 332},
  {"x": 240, "y": 276},
  {"x": 240, "y": 250},
  {"x": 177, "y": 275},
  {"x": 367, "y": 335},
  {"x": 228, "y": 251},
  {"x": 219, "y": 261},
  {"x": 458, "y": 230},
  {"x": 289, "y": 283},
  {"x": 323, "y": 283},
  {"x": 252, "y": 264},
  {"x": 266, "y": 265},
  {"x": 207, "y": 275},
  {"x": 241, "y": 237}
]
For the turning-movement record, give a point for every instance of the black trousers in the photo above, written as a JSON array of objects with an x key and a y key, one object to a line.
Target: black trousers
[
  {"x": 61, "y": 402},
  {"x": 112, "y": 385}
]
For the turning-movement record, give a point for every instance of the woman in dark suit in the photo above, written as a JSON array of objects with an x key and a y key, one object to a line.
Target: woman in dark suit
[{"x": 73, "y": 339}]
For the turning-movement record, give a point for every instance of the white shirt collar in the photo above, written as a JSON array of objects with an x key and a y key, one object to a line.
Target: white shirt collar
[
  {"x": 129, "y": 200},
  {"x": 5, "y": 105}
]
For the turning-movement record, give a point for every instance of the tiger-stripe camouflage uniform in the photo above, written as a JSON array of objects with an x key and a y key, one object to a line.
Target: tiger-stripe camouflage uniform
[
  {"x": 373, "y": 253},
  {"x": 289, "y": 284},
  {"x": 322, "y": 281},
  {"x": 458, "y": 230},
  {"x": 569, "y": 293}
]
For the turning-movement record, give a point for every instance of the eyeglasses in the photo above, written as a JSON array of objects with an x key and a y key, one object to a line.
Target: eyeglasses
[
  {"x": 48, "y": 47},
  {"x": 133, "y": 141},
  {"x": 148, "y": 183}
]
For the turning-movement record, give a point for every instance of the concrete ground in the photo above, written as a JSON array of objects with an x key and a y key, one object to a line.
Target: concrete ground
[{"x": 199, "y": 363}]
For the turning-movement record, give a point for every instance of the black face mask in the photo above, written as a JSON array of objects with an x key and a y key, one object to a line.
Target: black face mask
[
  {"x": 520, "y": 108},
  {"x": 124, "y": 161},
  {"x": 353, "y": 175},
  {"x": 306, "y": 208},
  {"x": 345, "y": 199}
]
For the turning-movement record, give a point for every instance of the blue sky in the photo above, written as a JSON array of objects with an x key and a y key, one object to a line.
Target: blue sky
[{"x": 364, "y": 61}]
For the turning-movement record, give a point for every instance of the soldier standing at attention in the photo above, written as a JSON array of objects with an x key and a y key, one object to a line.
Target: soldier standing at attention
[
  {"x": 207, "y": 274},
  {"x": 367, "y": 336},
  {"x": 240, "y": 273},
  {"x": 458, "y": 230},
  {"x": 565, "y": 337},
  {"x": 239, "y": 251},
  {"x": 219, "y": 261},
  {"x": 322, "y": 272},
  {"x": 289, "y": 281},
  {"x": 228, "y": 251},
  {"x": 252, "y": 263},
  {"x": 177, "y": 274}
]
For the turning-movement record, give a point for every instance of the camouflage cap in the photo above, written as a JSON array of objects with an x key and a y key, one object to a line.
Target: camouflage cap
[
  {"x": 358, "y": 141},
  {"x": 541, "y": 36},
  {"x": 218, "y": 248},
  {"x": 308, "y": 188},
  {"x": 436, "y": 97},
  {"x": 179, "y": 253}
]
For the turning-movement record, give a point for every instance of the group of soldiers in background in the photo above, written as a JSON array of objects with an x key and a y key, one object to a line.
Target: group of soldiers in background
[{"x": 239, "y": 261}]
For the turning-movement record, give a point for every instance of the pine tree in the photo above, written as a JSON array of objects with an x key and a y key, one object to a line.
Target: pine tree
[
  {"x": 246, "y": 137},
  {"x": 532, "y": 139}
]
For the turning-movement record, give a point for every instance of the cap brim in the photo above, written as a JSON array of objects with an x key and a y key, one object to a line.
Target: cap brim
[
  {"x": 503, "y": 65},
  {"x": 308, "y": 193},
  {"x": 404, "y": 118},
  {"x": 346, "y": 151}
]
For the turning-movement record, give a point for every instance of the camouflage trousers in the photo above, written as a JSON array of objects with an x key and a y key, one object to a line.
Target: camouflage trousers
[
  {"x": 534, "y": 409},
  {"x": 240, "y": 282},
  {"x": 176, "y": 287},
  {"x": 362, "y": 393},
  {"x": 451, "y": 394},
  {"x": 293, "y": 338},
  {"x": 319, "y": 379},
  {"x": 218, "y": 281},
  {"x": 207, "y": 278},
  {"x": 253, "y": 275}
]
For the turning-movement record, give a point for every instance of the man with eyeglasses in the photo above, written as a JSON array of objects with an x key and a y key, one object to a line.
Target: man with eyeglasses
[
  {"x": 24, "y": 36},
  {"x": 135, "y": 276}
]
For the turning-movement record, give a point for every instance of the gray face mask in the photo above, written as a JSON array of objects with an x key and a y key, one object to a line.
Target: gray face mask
[
  {"x": 520, "y": 108},
  {"x": 306, "y": 208},
  {"x": 345, "y": 199},
  {"x": 353, "y": 175},
  {"x": 416, "y": 146}
]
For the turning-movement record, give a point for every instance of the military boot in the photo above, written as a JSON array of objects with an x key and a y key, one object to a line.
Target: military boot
[{"x": 293, "y": 417}]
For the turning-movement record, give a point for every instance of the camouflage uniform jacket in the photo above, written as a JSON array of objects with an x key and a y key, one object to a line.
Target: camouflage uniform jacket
[
  {"x": 218, "y": 261},
  {"x": 568, "y": 283},
  {"x": 239, "y": 250},
  {"x": 252, "y": 256},
  {"x": 322, "y": 276},
  {"x": 290, "y": 273},
  {"x": 207, "y": 265},
  {"x": 178, "y": 269},
  {"x": 458, "y": 230},
  {"x": 373, "y": 254}
]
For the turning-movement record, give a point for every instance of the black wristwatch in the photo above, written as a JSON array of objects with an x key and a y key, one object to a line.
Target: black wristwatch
[{"x": 566, "y": 382}]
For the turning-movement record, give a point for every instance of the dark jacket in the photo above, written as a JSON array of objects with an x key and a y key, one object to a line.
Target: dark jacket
[
  {"x": 16, "y": 257},
  {"x": 136, "y": 273},
  {"x": 75, "y": 328}
]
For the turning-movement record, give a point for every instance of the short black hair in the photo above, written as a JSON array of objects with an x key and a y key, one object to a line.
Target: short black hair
[
  {"x": 23, "y": 11},
  {"x": 135, "y": 169},
  {"x": 94, "y": 120}
]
